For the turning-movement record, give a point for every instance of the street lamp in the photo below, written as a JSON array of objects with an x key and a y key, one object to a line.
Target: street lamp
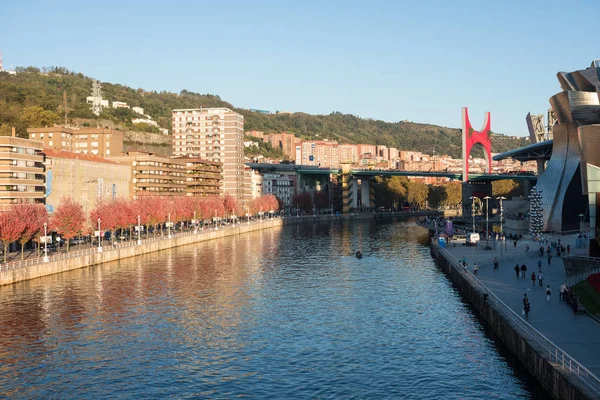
[
  {"x": 139, "y": 231},
  {"x": 473, "y": 209},
  {"x": 46, "y": 259},
  {"x": 487, "y": 223},
  {"x": 195, "y": 224},
  {"x": 99, "y": 237},
  {"x": 169, "y": 227},
  {"x": 501, "y": 211}
]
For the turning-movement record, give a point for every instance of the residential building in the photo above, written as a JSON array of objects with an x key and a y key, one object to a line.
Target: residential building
[
  {"x": 382, "y": 151},
  {"x": 85, "y": 178},
  {"x": 90, "y": 100},
  {"x": 282, "y": 186},
  {"x": 21, "y": 171},
  {"x": 56, "y": 138},
  {"x": 393, "y": 153},
  {"x": 253, "y": 184},
  {"x": 348, "y": 153},
  {"x": 366, "y": 149},
  {"x": 119, "y": 104},
  {"x": 256, "y": 134},
  {"x": 215, "y": 134},
  {"x": 202, "y": 177},
  {"x": 285, "y": 142},
  {"x": 144, "y": 121},
  {"x": 138, "y": 110},
  {"x": 95, "y": 141},
  {"x": 154, "y": 175},
  {"x": 322, "y": 153}
]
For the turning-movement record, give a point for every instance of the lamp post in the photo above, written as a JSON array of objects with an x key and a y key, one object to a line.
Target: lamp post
[
  {"x": 99, "y": 237},
  {"x": 195, "y": 224},
  {"x": 487, "y": 223},
  {"x": 46, "y": 259},
  {"x": 297, "y": 211},
  {"x": 233, "y": 217},
  {"x": 473, "y": 209},
  {"x": 169, "y": 226},
  {"x": 139, "y": 231},
  {"x": 501, "y": 211}
]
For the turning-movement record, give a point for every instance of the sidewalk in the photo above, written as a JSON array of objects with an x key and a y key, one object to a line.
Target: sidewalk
[{"x": 578, "y": 335}]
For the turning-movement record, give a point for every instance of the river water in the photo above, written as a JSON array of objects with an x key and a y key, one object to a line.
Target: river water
[{"x": 280, "y": 313}]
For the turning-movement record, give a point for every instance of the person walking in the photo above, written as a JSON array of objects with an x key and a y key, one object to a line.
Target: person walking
[
  {"x": 526, "y": 306},
  {"x": 541, "y": 279},
  {"x": 549, "y": 258},
  {"x": 475, "y": 268},
  {"x": 515, "y": 243},
  {"x": 496, "y": 263},
  {"x": 548, "y": 292},
  {"x": 568, "y": 249},
  {"x": 561, "y": 293},
  {"x": 517, "y": 270},
  {"x": 523, "y": 270},
  {"x": 539, "y": 265},
  {"x": 541, "y": 251},
  {"x": 533, "y": 279}
]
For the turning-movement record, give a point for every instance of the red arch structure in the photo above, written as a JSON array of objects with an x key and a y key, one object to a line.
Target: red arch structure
[{"x": 471, "y": 137}]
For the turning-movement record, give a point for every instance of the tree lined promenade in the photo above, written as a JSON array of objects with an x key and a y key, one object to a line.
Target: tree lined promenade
[{"x": 24, "y": 223}]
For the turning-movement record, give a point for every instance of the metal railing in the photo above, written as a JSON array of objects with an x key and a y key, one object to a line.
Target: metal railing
[
  {"x": 556, "y": 356},
  {"x": 109, "y": 246},
  {"x": 591, "y": 265}
]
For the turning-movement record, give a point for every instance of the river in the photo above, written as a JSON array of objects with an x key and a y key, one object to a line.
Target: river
[{"x": 280, "y": 313}]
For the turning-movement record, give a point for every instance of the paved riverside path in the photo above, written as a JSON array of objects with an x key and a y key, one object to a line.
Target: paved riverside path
[{"x": 578, "y": 335}]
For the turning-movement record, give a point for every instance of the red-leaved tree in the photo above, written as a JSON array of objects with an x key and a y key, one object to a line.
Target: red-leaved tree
[
  {"x": 302, "y": 201},
  {"x": 28, "y": 213},
  {"x": 11, "y": 229},
  {"x": 68, "y": 220}
]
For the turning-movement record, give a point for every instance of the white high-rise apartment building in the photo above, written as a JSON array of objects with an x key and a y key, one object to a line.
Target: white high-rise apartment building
[{"x": 215, "y": 134}]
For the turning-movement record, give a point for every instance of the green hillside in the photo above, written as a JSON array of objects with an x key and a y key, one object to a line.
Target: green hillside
[{"x": 35, "y": 98}]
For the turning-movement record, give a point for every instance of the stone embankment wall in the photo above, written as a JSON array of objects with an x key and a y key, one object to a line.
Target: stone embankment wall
[
  {"x": 557, "y": 382},
  {"x": 9, "y": 276}
]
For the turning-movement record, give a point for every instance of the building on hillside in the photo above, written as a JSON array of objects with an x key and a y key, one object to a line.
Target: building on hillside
[
  {"x": 348, "y": 153},
  {"x": 366, "y": 149},
  {"x": 256, "y": 134},
  {"x": 393, "y": 153},
  {"x": 90, "y": 100},
  {"x": 22, "y": 177},
  {"x": 215, "y": 134},
  {"x": 382, "y": 151},
  {"x": 85, "y": 178},
  {"x": 154, "y": 175},
  {"x": 150, "y": 122},
  {"x": 322, "y": 153},
  {"x": 285, "y": 142},
  {"x": 95, "y": 141},
  {"x": 138, "y": 110},
  {"x": 202, "y": 177},
  {"x": 120, "y": 104}
]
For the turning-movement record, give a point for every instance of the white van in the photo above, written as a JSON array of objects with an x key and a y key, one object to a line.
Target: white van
[
  {"x": 472, "y": 239},
  {"x": 458, "y": 239}
]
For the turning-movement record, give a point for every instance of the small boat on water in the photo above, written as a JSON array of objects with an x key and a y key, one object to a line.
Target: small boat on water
[{"x": 358, "y": 254}]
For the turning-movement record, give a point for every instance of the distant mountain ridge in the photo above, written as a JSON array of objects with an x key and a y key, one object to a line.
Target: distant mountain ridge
[{"x": 37, "y": 97}]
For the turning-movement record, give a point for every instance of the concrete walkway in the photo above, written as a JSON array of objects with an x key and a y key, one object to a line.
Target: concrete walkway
[{"x": 578, "y": 335}]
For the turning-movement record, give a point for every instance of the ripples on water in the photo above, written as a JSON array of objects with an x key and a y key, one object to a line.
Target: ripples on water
[{"x": 274, "y": 314}]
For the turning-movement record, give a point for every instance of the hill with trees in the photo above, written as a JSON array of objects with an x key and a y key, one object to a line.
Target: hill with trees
[{"x": 43, "y": 97}]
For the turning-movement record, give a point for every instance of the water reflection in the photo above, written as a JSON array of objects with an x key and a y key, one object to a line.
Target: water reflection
[{"x": 278, "y": 313}]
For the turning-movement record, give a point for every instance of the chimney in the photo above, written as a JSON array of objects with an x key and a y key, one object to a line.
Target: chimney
[{"x": 14, "y": 132}]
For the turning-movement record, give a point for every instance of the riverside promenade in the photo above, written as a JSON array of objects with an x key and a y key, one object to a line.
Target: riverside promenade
[{"x": 574, "y": 335}]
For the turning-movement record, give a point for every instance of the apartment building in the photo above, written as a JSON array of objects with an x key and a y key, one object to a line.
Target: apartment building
[
  {"x": 85, "y": 178},
  {"x": 322, "y": 153},
  {"x": 214, "y": 134},
  {"x": 95, "y": 141},
  {"x": 382, "y": 152},
  {"x": 285, "y": 142},
  {"x": 366, "y": 149},
  {"x": 202, "y": 177},
  {"x": 22, "y": 177},
  {"x": 282, "y": 186},
  {"x": 154, "y": 175}
]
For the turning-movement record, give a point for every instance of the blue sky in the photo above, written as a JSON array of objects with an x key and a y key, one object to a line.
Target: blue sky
[{"x": 391, "y": 60}]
